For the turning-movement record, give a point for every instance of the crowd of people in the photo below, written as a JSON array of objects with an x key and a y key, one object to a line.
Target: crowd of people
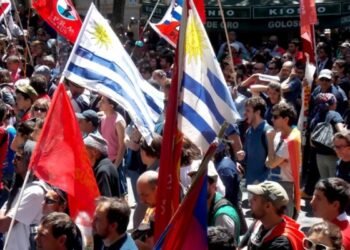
[{"x": 263, "y": 153}]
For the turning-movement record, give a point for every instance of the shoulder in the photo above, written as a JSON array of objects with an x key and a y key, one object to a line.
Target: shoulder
[{"x": 280, "y": 242}]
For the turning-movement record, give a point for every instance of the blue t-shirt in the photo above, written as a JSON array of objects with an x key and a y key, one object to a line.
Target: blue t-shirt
[
  {"x": 8, "y": 167},
  {"x": 124, "y": 243},
  {"x": 255, "y": 147}
]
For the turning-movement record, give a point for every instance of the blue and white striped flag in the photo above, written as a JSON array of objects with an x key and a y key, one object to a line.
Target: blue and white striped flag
[
  {"x": 99, "y": 62},
  {"x": 206, "y": 99}
]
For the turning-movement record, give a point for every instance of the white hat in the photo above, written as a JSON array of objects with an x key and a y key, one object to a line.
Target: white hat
[
  {"x": 325, "y": 73},
  {"x": 97, "y": 142}
]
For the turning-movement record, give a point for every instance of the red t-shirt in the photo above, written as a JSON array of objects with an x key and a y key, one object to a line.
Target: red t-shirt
[{"x": 342, "y": 221}]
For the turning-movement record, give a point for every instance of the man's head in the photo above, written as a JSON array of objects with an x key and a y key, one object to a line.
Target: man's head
[
  {"x": 166, "y": 60},
  {"x": 273, "y": 41},
  {"x": 24, "y": 131},
  {"x": 111, "y": 217},
  {"x": 331, "y": 198},
  {"x": 25, "y": 96},
  {"x": 341, "y": 141},
  {"x": 55, "y": 201},
  {"x": 268, "y": 198},
  {"x": 286, "y": 70},
  {"x": 273, "y": 68},
  {"x": 147, "y": 187},
  {"x": 88, "y": 121},
  {"x": 22, "y": 157},
  {"x": 13, "y": 63},
  {"x": 57, "y": 231},
  {"x": 259, "y": 68},
  {"x": 255, "y": 109},
  {"x": 325, "y": 79},
  {"x": 283, "y": 115},
  {"x": 96, "y": 147},
  {"x": 293, "y": 46},
  {"x": 39, "y": 84},
  {"x": 150, "y": 153}
]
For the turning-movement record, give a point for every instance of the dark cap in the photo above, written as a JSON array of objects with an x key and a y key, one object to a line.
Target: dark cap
[{"x": 90, "y": 116}]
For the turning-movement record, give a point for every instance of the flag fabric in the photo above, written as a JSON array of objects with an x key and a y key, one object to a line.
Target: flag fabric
[
  {"x": 200, "y": 7},
  {"x": 206, "y": 99},
  {"x": 100, "y": 63},
  {"x": 308, "y": 18},
  {"x": 168, "y": 27},
  {"x": 305, "y": 99},
  {"x": 188, "y": 228},
  {"x": 5, "y": 7},
  {"x": 168, "y": 191},
  {"x": 60, "y": 158},
  {"x": 61, "y": 16}
]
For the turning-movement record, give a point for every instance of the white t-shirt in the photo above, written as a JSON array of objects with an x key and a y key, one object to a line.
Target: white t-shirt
[
  {"x": 282, "y": 151},
  {"x": 29, "y": 212}
]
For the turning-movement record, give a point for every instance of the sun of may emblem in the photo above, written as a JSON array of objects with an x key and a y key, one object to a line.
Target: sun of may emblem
[
  {"x": 194, "y": 39},
  {"x": 100, "y": 35}
]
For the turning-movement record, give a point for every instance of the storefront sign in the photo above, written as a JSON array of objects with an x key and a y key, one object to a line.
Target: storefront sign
[
  {"x": 293, "y": 11},
  {"x": 158, "y": 14},
  {"x": 234, "y": 12}
]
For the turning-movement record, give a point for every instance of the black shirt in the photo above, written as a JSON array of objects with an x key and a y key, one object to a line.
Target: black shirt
[
  {"x": 107, "y": 178},
  {"x": 343, "y": 170}
]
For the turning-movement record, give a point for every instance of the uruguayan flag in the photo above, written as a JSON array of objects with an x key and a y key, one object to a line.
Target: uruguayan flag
[
  {"x": 207, "y": 102},
  {"x": 99, "y": 62},
  {"x": 168, "y": 27}
]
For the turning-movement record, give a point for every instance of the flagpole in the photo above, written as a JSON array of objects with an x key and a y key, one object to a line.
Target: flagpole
[
  {"x": 16, "y": 208},
  {"x": 24, "y": 36},
  {"x": 227, "y": 41}
]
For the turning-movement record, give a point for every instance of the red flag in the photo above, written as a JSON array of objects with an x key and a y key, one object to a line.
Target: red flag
[
  {"x": 308, "y": 18},
  {"x": 61, "y": 16},
  {"x": 200, "y": 7},
  {"x": 5, "y": 7},
  {"x": 60, "y": 158}
]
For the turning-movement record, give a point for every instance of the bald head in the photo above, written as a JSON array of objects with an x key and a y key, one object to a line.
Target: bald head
[
  {"x": 286, "y": 70},
  {"x": 147, "y": 187}
]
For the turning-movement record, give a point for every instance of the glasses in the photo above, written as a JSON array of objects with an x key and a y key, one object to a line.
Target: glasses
[
  {"x": 308, "y": 245},
  {"x": 340, "y": 146},
  {"x": 49, "y": 201},
  {"x": 40, "y": 109}
]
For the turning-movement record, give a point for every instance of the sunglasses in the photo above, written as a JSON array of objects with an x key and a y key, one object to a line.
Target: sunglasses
[
  {"x": 40, "y": 109},
  {"x": 308, "y": 245},
  {"x": 49, "y": 201}
]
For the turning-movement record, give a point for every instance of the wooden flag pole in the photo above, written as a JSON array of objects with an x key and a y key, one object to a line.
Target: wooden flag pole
[{"x": 227, "y": 41}]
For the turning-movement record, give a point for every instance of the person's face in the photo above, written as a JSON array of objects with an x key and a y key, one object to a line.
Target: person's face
[
  {"x": 300, "y": 73},
  {"x": 292, "y": 48},
  {"x": 22, "y": 103},
  {"x": 321, "y": 53},
  {"x": 163, "y": 63},
  {"x": 17, "y": 141},
  {"x": 319, "y": 238},
  {"x": 273, "y": 95},
  {"x": 104, "y": 105},
  {"x": 39, "y": 111},
  {"x": 84, "y": 125},
  {"x": 18, "y": 162},
  {"x": 36, "y": 133},
  {"x": 272, "y": 69},
  {"x": 279, "y": 122},
  {"x": 52, "y": 203},
  {"x": 36, "y": 50},
  {"x": 257, "y": 206},
  {"x": 250, "y": 115},
  {"x": 12, "y": 66},
  {"x": 336, "y": 69},
  {"x": 324, "y": 83},
  {"x": 146, "y": 74},
  {"x": 259, "y": 68},
  {"x": 153, "y": 63},
  {"x": 321, "y": 207},
  {"x": 232, "y": 36},
  {"x": 147, "y": 193},
  {"x": 46, "y": 241},
  {"x": 285, "y": 72},
  {"x": 342, "y": 148},
  {"x": 100, "y": 223}
]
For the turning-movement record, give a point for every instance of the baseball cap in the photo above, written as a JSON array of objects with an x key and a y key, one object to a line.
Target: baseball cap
[
  {"x": 29, "y": 90},
  {"x": 272, "y": 191},
  {"x": 325, "y": 73},
  {"x": 345, "y": 45},
  {"x": 211, "y": 169},
  {"x": 89, "y": 115}
]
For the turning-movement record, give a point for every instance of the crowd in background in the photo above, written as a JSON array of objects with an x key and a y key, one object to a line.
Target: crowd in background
[{"x": 266, "y": 86}]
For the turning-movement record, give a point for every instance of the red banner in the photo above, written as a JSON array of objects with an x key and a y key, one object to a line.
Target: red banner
[
  {"x": 61, "y": 16},
  {"x": 308, "y": 18},
  {"x": 60, "y": 158}
]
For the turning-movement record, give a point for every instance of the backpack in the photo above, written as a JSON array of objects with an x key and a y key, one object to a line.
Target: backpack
[{"x": 322, "y": 137}]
